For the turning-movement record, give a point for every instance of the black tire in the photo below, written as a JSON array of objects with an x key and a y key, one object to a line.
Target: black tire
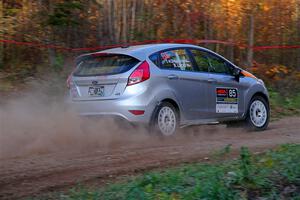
[
  {"x": 156, "y": 126},
  {"x": 260, "y": 124}
]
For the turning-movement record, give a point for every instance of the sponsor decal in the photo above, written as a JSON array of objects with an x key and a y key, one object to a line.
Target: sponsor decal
[{"x": 227, "y": 100}]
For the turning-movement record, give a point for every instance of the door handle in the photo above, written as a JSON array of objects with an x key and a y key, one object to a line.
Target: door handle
[
  {"x": 172, "y": 76},
  {"x": 211, "y": 80}
]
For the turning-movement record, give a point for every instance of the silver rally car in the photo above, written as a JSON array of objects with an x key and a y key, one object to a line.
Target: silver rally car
[{"x": 168, "y": 86}]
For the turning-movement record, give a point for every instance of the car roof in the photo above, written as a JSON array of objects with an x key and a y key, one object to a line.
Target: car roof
[{"x": 141, "y": 52}]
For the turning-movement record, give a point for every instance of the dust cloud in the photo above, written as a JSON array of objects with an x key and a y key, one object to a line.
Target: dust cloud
[{"x": 39, "y": 121}]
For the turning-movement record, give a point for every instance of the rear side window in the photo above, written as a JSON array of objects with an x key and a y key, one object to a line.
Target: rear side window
[
  {"x": 95, "y": 65},
  {"x": 201, "y": 60},
  {"x": 177, "y": 59},
  {"x": 155, "y": 59}
]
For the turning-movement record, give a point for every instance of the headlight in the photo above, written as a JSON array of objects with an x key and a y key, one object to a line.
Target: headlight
[{"x": 261, "y": 82}]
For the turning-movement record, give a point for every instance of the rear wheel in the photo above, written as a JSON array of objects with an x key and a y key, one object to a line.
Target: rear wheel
[
  {"x": 166, "y": 119},
  {"x": 258, "y": 114}
]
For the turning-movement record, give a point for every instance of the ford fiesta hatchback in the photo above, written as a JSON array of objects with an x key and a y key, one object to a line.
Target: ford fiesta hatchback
[{"x": 168, "y": 86}]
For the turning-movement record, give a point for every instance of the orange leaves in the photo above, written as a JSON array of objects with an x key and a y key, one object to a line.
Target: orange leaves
[
  {"x": 273, "y": 73},
  {"x": 278, "y": 69},
  {"x": 284, "y": 79},
  {"x": 277, "y": 72}
]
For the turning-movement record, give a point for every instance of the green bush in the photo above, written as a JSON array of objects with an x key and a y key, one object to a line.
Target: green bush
[{"x": 284, "y": 105}]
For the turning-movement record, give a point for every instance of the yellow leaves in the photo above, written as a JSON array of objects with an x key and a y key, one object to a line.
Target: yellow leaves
[
  {"x": 277, "y": 72},
  {"x": 298, "y": 76},
  {"x": 277, "y": 69},
  {"x": 228, "y": 16},
  {"x": 274, "y": 74}
]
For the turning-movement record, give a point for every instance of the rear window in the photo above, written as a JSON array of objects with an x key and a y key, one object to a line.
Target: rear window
[{"x": 104, "y": 65}]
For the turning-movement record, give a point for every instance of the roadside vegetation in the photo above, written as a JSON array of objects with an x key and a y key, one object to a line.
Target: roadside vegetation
[
  {"x": 271, "y": 175},
  {"x": 284, "y": 88},
  {"x": 282, "y": 106}
]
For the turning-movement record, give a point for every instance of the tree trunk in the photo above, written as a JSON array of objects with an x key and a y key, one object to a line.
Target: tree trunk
[
  {"x": 228, "y": 33},
  {"x": 152, "y": 35},
  {"x": 250, "y": 41},
  {"x": 124, "y": 19},
  {"x": 231, "y": 53},
  {"x": 140, "y": 11},
  {"x": 298, "y": 34},
  {"x": 189, "y": 23},
  {"x": 117, "y": 21},
  {"x": 208, "y": 30},
  {"x": 1, "y": 44},
  {"x": 51, "y": 39},
  {"x": 111, "y": 21},
  {"x": 100, "y": 20},
  {"x": 100, "y": 28},
  {"x": 175, "y": 20},
  {"x": 133, "y": 13}
]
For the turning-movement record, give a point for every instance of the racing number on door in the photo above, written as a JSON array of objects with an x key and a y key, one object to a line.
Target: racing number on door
[{"x": 232, "y": 93}]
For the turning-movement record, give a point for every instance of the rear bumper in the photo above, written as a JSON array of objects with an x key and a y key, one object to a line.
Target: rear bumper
[{"x": 116, "y": 108}]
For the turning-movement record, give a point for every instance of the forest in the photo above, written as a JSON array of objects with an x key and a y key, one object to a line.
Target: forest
[{"x": 262, "y": 36}]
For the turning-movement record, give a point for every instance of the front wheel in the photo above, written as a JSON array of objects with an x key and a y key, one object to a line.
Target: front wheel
[
  {"x": 258, "y": 115},
  {"x": 166, "y": 119}
]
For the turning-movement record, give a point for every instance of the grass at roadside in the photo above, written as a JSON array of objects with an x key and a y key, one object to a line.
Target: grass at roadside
[
  {"x": 272, "y": 175},
  {"x": 284, "y": 106}
]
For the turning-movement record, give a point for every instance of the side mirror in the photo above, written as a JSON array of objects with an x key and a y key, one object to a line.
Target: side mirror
[{"x": 236, "y": 73}]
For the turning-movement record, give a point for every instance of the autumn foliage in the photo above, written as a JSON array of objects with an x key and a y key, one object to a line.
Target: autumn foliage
[{"x": 89, "y": 23}]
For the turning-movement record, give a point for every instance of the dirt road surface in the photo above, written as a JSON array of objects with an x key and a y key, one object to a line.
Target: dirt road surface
[{"x": 36, "y": 173}]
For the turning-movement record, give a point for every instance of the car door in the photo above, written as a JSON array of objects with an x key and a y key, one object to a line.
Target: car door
[
  {"x": 189, "y": 87},
  {"x": 201, "y": 62},
  {"x": 225, "y": 92}
]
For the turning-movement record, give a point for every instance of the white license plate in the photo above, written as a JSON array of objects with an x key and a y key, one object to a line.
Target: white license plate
[{"x": 96, "y": 91}]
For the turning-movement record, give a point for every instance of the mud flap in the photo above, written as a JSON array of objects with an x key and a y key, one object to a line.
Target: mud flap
[{"x": 151, "y": 126}]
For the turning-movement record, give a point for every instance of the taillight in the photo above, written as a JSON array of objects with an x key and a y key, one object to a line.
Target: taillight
[
  {"x": 140, "y": 74},
  {"x": 69, "y": 81},
  {"x": 73, "y": 91}
]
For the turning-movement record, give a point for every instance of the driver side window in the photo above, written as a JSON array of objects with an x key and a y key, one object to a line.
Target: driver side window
[{"x": 218, "y": 65}]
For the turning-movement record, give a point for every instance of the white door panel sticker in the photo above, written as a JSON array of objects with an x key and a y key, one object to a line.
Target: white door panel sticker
[
  {"x": 227, "y": 100},
  {"x": 227, "y": 108}
]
